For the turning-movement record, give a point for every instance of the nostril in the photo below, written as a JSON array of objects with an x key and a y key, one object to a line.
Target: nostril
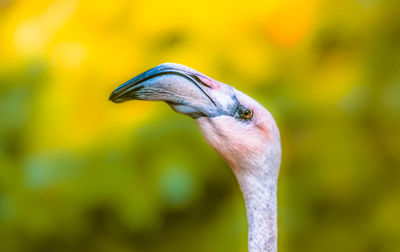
[
  {"x": 200, "y": 81},
  {"x": 206, "y": 81}
]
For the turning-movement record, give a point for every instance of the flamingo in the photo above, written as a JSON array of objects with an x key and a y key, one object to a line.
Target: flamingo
[{"x": 241, "y": 130}]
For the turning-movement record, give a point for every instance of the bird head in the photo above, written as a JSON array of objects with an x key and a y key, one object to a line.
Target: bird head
[{"x": 241, "y": 130}]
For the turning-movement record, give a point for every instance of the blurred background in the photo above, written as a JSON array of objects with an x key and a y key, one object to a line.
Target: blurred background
[{"x": 79, "y": 173}]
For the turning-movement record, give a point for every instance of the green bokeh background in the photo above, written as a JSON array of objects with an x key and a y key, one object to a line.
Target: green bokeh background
[{"x": 79, "y": 173}]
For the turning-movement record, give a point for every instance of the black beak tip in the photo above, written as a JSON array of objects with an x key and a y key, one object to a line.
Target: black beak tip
[{"x": 114, "y": 98}]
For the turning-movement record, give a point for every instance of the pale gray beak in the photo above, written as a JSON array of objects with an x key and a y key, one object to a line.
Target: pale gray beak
[{"x": 181, "y": 88}]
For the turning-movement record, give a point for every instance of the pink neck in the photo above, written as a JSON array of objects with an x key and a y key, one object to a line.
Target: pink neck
[{"x": 261, "y": 206}]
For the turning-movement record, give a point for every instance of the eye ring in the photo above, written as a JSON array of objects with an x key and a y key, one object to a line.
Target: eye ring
[{"x": 247, "y": 114}]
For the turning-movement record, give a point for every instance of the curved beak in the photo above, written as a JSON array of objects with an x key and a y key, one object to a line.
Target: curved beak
[{"x": 184, "y": 89}]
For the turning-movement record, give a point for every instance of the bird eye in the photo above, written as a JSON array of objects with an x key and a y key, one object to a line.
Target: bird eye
[{"x": 247, "y": 114}]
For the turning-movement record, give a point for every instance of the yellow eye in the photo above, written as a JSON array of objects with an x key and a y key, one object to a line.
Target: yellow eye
[{"x": 247, "y": 114}]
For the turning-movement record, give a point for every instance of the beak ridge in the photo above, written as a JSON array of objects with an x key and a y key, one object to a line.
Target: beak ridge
[
  {"x": 127, "y": 90},
  {"x": 179, "y": 86}
]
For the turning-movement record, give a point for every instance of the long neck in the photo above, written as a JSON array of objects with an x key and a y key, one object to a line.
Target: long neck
[{"x": 261, "y": 207}]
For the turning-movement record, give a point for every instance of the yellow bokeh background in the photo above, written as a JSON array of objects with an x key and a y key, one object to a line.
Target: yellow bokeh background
[{"x": 79, "y": 173}]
